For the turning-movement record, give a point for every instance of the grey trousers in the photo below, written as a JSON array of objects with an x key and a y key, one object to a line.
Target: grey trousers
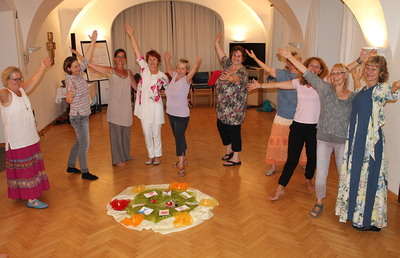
[{"x": 120, "y": 137}]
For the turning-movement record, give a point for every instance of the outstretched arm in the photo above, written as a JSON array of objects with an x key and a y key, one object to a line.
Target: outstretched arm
[
  {"x": 89, "y": 51},
  {"x": 288, "y": 55},
  {"x": 28, "y": 85},
  {"x": 102, "y": 69},
  {"x": 395, "y": 86},
  {"x": 364, "y": 54},
  {"x": 194, "y": 70},
  {"x": 286, "y": 85},
  {"x": 74, "y": 51},
  {"x": 135, "y": 46},
  {"x": 167, "y": 58},
  {"x": 268, "y": 69},
  {"x": 218, "y": 48}
]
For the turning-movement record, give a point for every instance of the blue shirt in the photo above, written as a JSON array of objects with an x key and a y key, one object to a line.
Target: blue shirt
[{"x": 287, "y": 99}]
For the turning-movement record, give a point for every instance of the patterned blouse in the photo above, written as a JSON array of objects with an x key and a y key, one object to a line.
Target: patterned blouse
[
  {"x": 231, "y": 98},
  {"x": 78, "y": 85}
]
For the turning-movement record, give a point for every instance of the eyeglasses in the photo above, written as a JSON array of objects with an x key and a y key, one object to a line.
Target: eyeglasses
[
  {"x": 17, "y": 79},
  {"x": 337, "y": 73}
]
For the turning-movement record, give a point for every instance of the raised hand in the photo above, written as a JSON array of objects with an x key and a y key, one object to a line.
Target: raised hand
[
  {"x": 251, "y": 53},
  {"x": 218, "y": 37},
  {"x": 128, "y": 29},
  {"x": 364, "y": 54},
  {"x": 46, "y": 62},
  {"x": 284, "y": 52},
  {"x": 167, "y": 55},
  {"x": 94, "y": 36}
]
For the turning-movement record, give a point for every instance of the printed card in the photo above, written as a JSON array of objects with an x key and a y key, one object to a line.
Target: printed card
[
  {"x": 182, "y": 208},
  {"x": 163, "y": 212},
  {"x": 145, "y": 210},
  {"x": 167, "y": 193},
  {"x": 185, "y": 195},
  {"x": 150, "y": 194},
  {"x": 137, "y": 205},
  {"x": 192, "y": 203}
]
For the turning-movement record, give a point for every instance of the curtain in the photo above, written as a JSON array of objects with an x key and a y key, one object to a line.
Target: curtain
[{"x": 186, "y": 30}]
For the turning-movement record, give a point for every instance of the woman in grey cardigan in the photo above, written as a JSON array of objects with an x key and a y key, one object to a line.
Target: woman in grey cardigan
[{"x": 336, "y": 103}]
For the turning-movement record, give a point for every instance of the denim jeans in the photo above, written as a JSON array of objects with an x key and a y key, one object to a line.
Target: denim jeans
[{"x": 80, "y": 148}]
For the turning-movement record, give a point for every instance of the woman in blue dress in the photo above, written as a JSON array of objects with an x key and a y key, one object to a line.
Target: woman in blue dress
[{"x": 362, "y": 195}]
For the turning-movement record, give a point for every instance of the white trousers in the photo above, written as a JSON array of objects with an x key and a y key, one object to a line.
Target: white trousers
[
  {"x": 152, "y": 137},
  {"x": 324, "y": 151}
]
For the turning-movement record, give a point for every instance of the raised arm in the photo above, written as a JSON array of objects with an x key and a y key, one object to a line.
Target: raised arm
[
  {"x": 89, "y": 51},
  {"x": 194, "y": 70},
  {"x": 218, "y": 48},
  {"x": 268, "y": 69},
  {"x": 357, "y": 75},
  {"x": 28, "y": 85},
  {"x": 286, "y": 85},
  {"x": 74, "y": 51},
  {"x": 364, "y": 54},
  {"x": 288, "y": 55},
  {"x": 135, "y": 46},
  {"x": 167, "y": 58}
]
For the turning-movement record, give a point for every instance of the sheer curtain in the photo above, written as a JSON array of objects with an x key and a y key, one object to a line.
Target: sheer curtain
[{"x": 186, "y": 30}]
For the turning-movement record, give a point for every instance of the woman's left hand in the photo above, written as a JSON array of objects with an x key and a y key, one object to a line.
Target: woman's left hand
[
  {"x": 224, "y": 76},
  {"x": 46, "y": 62}
]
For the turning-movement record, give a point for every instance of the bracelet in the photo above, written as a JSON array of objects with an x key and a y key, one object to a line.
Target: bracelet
[{"x": 359, "y": 60}]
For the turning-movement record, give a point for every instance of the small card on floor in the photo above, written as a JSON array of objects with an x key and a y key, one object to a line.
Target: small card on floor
[
  {"x": 150, "y": 194},
  {"x": 163, "y": 212},
  {"x": 137, "y": 205},
  {"x": 185, "y": 195},
  {"x": 167, "y": 193},
  {"x": 182, "y": 208},
  {"x": 146, "y": 210}
]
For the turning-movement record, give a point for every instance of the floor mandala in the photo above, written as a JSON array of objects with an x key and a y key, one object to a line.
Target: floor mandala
[{"x": 162, "y": 208}]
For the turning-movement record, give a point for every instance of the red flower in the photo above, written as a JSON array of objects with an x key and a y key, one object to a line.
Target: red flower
[{"x": 119, "y": 205}]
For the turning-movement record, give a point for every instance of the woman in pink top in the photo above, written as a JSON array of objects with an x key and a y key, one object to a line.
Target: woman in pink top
[
  {"x": 303, "y": 129},
  {"x": 177, "y": 104}
]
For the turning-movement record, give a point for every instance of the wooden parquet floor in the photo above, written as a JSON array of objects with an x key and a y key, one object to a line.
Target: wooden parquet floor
[{"x": 246, "y": 224}]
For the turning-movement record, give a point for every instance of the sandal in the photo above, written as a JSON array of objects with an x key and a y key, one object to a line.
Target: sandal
[
  {"x": 176, "y": 164},
  {"x": 227, "y": 156},
  {"x": 181, "y": 172},
  {"x": 314, "y": 213}
]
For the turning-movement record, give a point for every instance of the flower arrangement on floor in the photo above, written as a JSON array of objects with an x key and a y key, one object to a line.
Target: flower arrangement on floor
[{"x": 162, "y": 208}]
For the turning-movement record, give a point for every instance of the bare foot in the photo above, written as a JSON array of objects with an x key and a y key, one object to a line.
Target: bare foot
[
  {"x": 121, "y": 164},
  {"x": 310, "y": 185},
  {"x": 278, "y": 194},
  {"x": 132, "y": 158}
]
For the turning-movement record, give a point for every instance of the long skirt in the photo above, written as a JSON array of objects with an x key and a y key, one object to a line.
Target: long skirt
[
  {"x": 277, "y": 148},
  {"x": 26, "y": 177}
]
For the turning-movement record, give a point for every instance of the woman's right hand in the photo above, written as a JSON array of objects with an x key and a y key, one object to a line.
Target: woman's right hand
[
  {"x": 251, "y": 53},
  {"x": 167, "y": 55},
  {"x": 357, "y": 73},
  {"x": 284, "y": 52},
  {"x": 252, "y": 86},
  {"x": 128, "y": 29}
]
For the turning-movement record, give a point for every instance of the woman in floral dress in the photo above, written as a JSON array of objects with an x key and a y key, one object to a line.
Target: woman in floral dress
[
  {"x": 231, "y": 101},
  {"x": 362, "y": 195}
]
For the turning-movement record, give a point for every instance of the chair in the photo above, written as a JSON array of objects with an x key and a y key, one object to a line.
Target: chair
[{"x": 200, "y": 86}]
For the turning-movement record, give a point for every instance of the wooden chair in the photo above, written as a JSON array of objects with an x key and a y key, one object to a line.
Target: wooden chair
[{"x": 200, "y": 86}]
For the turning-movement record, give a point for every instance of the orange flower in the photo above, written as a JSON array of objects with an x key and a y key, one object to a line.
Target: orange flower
[
  {"x": 138, "y": 189},
  {"x": 209, "y": 202},
  {"x": 179, "y": 186},
  {"x": 182, "y": 219},
  {"x": 134, "y": 220}
]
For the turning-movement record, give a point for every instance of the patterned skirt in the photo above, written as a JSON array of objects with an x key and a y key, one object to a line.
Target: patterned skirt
[
  {"x": 278, "y": 143},
  {"x": 26, "y": 177}
]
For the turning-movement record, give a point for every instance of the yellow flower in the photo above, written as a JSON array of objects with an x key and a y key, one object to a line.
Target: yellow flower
[
  {"x": 138, "y": 189},
  {"x": 182, "y": 219},
  {"x": 209, "y": 202}
]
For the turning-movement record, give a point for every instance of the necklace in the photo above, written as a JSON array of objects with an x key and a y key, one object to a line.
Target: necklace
[{"x": 21, "y": 99}]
